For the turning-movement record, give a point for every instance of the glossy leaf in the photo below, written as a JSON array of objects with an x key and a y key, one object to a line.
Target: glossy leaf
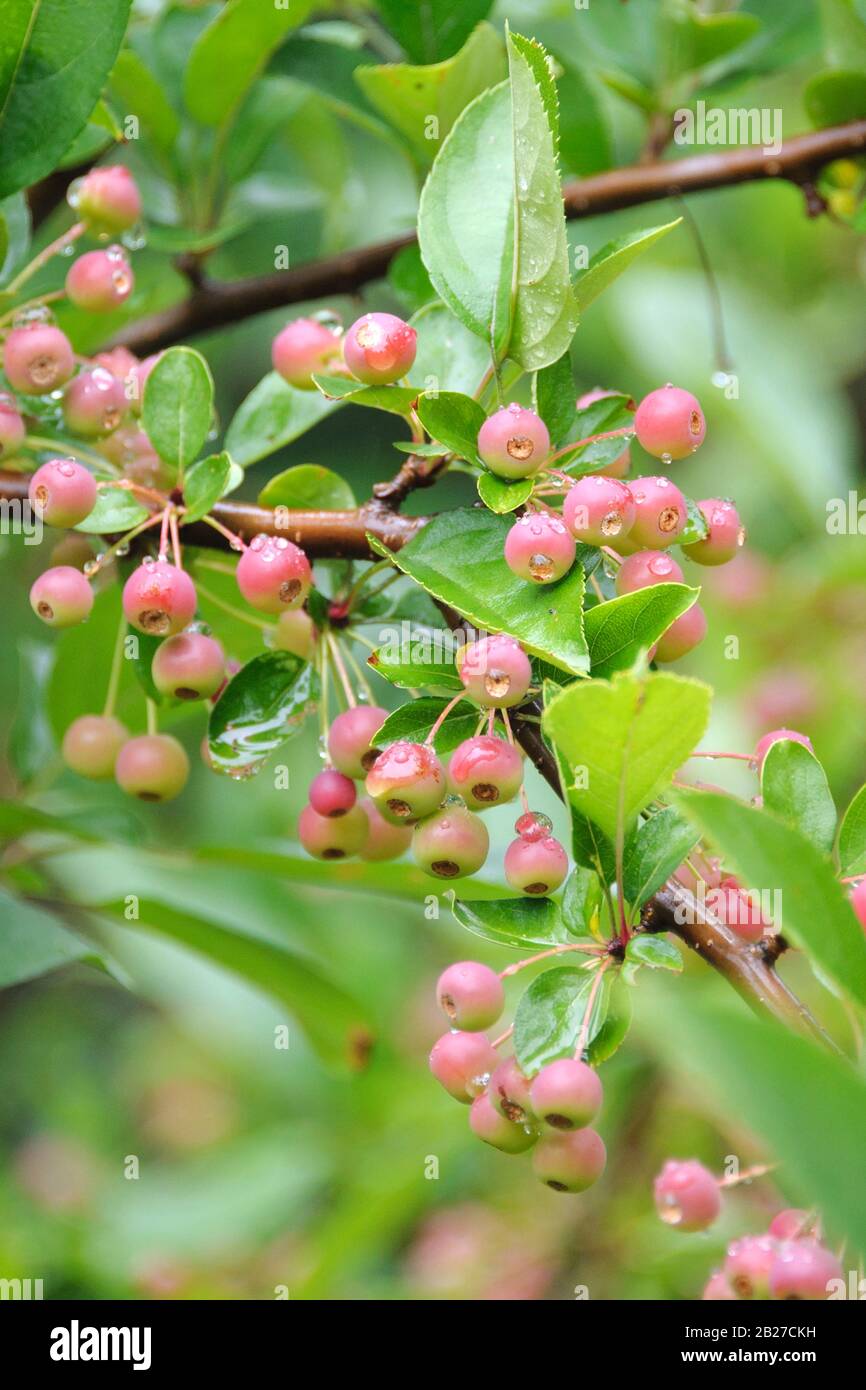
[
  {"x": 554, "y": 397},
  {"x": 519, "y": 922},
  {"x": 581, "y": 899},
  {"x": 230, "y": 52},
  {"x": 397, "y": 399},
  {"x": 177, "y": 407},
  {"x": 618, "y": 630},
  {"x": 617, "y": 1005},
  {"x": 835, "y": 97},
  {"x": 421, "y": 659},
  {"x": 15, "y": 214},
  {"x": 143, "y": 96},
  {"x": 261, "y": 707},
  {"x": 449, "y": 356},
  {"x": 273, "y": 415},
  {"x": 658, "y": 847},
  {"x": 308, "y": 485},
  {"x": 205, "y": 483},
  {"x": 500, "y": 496},
  {"x": 116, "y": 509},
  {"x": 616, "y": 256},
  {"x": 433, "y": 29},
  {"x": 655, "y": 951},
  {"x": 409, "y": 280},
  {"x": 550, "y": 1016},
  {"x": 794, "y": 785},
  {"x": 454, "y": 420},
  {"x": 414, "y": 721},
  {"x": 852, "y": 836},
  {"x": 614, "y": 412}
]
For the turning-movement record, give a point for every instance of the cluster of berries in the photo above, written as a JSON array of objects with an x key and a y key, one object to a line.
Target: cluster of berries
[
  {"x": 788, "y": 1262},
  {"x": 549, "y": 1113}
]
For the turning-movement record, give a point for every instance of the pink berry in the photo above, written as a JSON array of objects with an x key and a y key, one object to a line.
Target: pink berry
[
  {"x": 791, "y": 1224},
  {"x": 566, "y": 1094},
  {"x": 100, "y": 281},
  {"x": 189, "y": 666},
  {"x": 535, "y": 867},
  {"x": 303, "y": 347},
  {"x": 687, "y": 1195},
  {"x": 332, "y": 794},
  {"x": 670, "y": 423},
  {"x": 645, "y": 568},
  {"x": 158, "y": 598},
  {"x": 509, "y": 1090},
  {"x": 274, "y": 574},
  {"x": 37, "y": 358},
  {"x": 764, "y": 744},
  {"x": 107, "y": 199},
  {"x": 350, "y": 740},
  {"x": 61, "y": 597},
  {"x": 660, "y": 513},
  {"x": 485, "y": 771},
  {"x": 451, "y": 843},
  {"x": 117, "y": 360},
  {"x": 570, "y": 1162},
  {"x": 513, "y": 442},
  {"x": 62, "y": 492},
  {"x": 684, "y": 634},
  {"x": 406, "y": 781},
  {"x": 94, "y": 403},
  {"x": 462, "y": 1063},
  {"x": 470, "y": 995},
  {"x": 725, "y": 534},
  {"x": 332, "y": 837},
  {"x": 858, "y": 902},
  {"x": 622, "y": 463},
  {"x": 91, "y": 745},
  {"x": 736, "y": 910},
  {"x": 495, "y": 671},
  {"x": 150, "y": 471},
  {"x": 539, "y": 547},
  {"x": 379, "y": 348},
  {"x": 598, "y": 510},
  {"x": 748, "y": 1263},
  {"x": 295, "y": 632},
  {"x": 12, "y": 427},
  {"x": 126, "y": 444},
  {"x": 136, "y": 381},
  {"x": 717, "y": 1289},
  {"x": 384, "y": 841},
  {"x": 153, "y": 767},
  {"x": 533, "y": 825},
  {"x": 803, "y": 1269},
  {"x": 488, "y": 1124}
]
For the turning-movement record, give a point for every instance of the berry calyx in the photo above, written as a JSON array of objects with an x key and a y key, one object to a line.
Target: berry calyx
[
  {"x": 670, "y": 423},
  {"x": 462, "y": 1063},
  {"x": 748, "y": 1263},
  {"x": 535, "y": 867},
  {"x": 539, "y": 548},
  {"x": 384, "y": 840},
  {"x": 406, "y": 781},
  {"x": 62, "y": 492},
  {"x": 332, "y": 794},
  {"x": 470, "y": 995},
  {"x": 452, "y": 843},
  {"x": 100, "y": 281},
  {"x": 37, "y": 358},
  {"x": 274, "y": 574},
  {"x": 303, "y": 347},
  {"x": 803, "y": 1269},
  {"x": 107, "y": 199},
  {"x": 94, "y": 403},
  {"x": 91, "y": 745},
  {"x": 687, "y": 1195},
  {"x": 570, "y": 1162},
  {"x": 12, "y": 427},
  {"x": 645, "y": 568},
  {"x": 660, "y": 513},
  {"x": 153, "y": 767},
  {"x": 379, "y": 348},
  {"x": 495, "y": 671},
  {"x": 622, "y": 463},
  {"x": 332, "y": 837},
  {"x": 684, "y": 634},
  {"x": 295, "y": 632},
  {"x": 514, "y": 442},
  {"x": 725, "y": 534},
  {"x": 508, "y": 1090},
  {"x": 764, "y": 744},
  {"x": 61, "y": 597},
  {"x": 159, "y": 598},
  {"x": 566, "y": 1094},
  {"x": 598, "y": 510},
  {"x": 485, "y": 771},
  {"x": 350, "y": 739},
  {"x": 189, "y": 666},
  {"x": 488, "y": 1124}
]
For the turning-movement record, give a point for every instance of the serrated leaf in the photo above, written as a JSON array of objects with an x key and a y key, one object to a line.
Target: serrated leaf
[
  {"x": 617, "y": 1019},
  {"x": 500, "y": 496},
  {"x": 177, "y": 407},
  {"x": 852, "y": 836},
  {"x": 453, "y": 419},
  {"x": 415, "y": 720},
  {"x": 519, "y": 922},
  {"x": 655, "y": 951},
  {"x": 449, "y": 356},
  {"x": 550, "y": 1016},
  {"x": 396, "y": 399},
  {"x": 612, "y": 259},
  {"x": 794, "y": 785},
  {"x": 435, "y": 29},
  {"x": 116, "y": 509},
  {"x": 618, "y": 630},
  {"x": 261, "y": 707},
  {"x": 657, "y": 847},
  {"x": 581, "y": 899},
  {"x": 273, "y": 415},
  {"x": 554, "y": 397},
  {"x": 610, "y": 412},
  {"x": 308, "y": 486},
  {"x": 423, "y": 658},
  {"x": 204, "y": 484}
]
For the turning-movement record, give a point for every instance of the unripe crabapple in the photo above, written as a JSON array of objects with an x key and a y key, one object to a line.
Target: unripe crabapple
[
  {"x": 495, "y": 671},
  {"x": 598, "y": 511},
  {"x": 488, "y": 1124},
  {"x": 350, "y": 739},
  {"x": 566, "y": 1094},
  {"x": 736, "y": 909},
  {"x": 684, "y": 634},
  {"x": 274, "y": 574},
  {"x": 485, "y": 771},
  {"x": 384, "y": 840},
  {"x": 159, "y": 598},
  {"x": 332, "y": 794},
  {"x": 535, "y": 867},
  {"x": 791, "y": 1223},
  {"x": 332, "y": 837},
  {"x": 621, "y": 464},
  {"x": 94, "y": 403},
  {"x": 645, "y": 568},
  {"x": 509, "y": 1092},
  {"x": 570, "y": 1162},
  {"x": 189, "y": 666},
  {"x": 61, "y": 597},
  {"x": 406, "y": 781},
  {"x": 687, "y": 1195},
  {"x": 670, "y": 423},
  {"x": 724, "y": 536},
  {"x": 100, "y": 281},
  {"x": 379, "y": 348},
  {"x": 470, "y": 995},
  {"x": 462, "y": 1063},
  {"x": 12, "y": 427},
  {"x": 107, "y": 199},
  {"x": 660, "y": 513},
  {"x": 62, "y": 492},
  {"x": 303, "y": 347},
  {"x": 153, "y": 767},
  {"x": 295, "y": 632},
  {"x": 803, "y": 1269},
  {"x": 539, "y": 547},
  {"x": 91, "y": 745},
  {"x": 451, "y": 843},
  {"x": 514, "y": 442},
  {"x": 748, "y": 1263},
  {"x": 37, "y": 358},
  {"x": 764, "y": 744}
]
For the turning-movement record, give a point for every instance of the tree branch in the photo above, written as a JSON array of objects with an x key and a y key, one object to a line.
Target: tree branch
[{"x": 213, "y": 303}]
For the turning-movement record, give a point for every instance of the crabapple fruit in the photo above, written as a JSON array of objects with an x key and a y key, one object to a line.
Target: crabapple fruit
[
  {"x": 659, "y": 513},
  {"x": 332, "y": 837},
  {"x": 684, "y": 634},
  {"x": 858, "y": 902},
  {"x": 350, "y": 739},
  {"x": 295, "y": 632},
  {"x": 303, "y": 347},
  {"x": 535, "y": 867},
  {"x": 495, "y": 671},
  {"x": 331, "y": 793},
  {"x": 737, "y": 910},
  {"x": 37, "y": 358},
  {"x": 485, "y": 771},
  {"x": 462, "y": 1063},
  {"x": 539, "y": 547},
  {"x": 748, "y": 1263},
  {"x": 514, "y": 442},
  {"x": 274, "y": 574},
  {"x": 189, "y": 666},
  {"x": 406, "y": 781},
  {"x": 566, "y": 1094},
  {"x": 670, "y": 423},
  {"x": 61, "y": 597},
  {"x": 107, "y": 199},
  {"x": 379, "y": 348},
  {"x": 153, "y": 767},
  {"x": 94, "y": 403},
  {"x": 570, "y": 1162},
  {"x": 91, "y": 745},
  {"x": 687, "y": 1195},
  {"x": 470, "y": 995},
  {"x": 764, "y": 744},
  {"x": 508, "y": 1090},
  {"x": 598, "y": 510},
  {"x": 12, "y": 427},
  {"x": 62, "y": 492},
  {"x": 790, "y": 1224},
  {"x": 622, "y": 463},
  {"x": 725, "y": 534},
  {"x": 645, "y": 568},
  {"x": 717, "y": 1289},
  {"x": 452, "y": 843},
  {"x": 159, "y": 598},
  {"x": 488, "y": 1124},
  {"x": 100, "y": 280},
  {"x": 384, "y": 841},
  {"x": 803, "y": 1269}
]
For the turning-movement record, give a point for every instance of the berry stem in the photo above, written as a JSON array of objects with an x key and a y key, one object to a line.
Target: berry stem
[
  {"x": 503, "y": 1037},
  {"x": 357, "y": 636},
  {"x": 138, "y": 488},
  {"x": 590, "y": 439},
  {"x": 341, "y": 670},
  {"x": 443, "y": 715},
  {"x": 235, "y": 541},
  {"x": 508, "y": 729},
  {"x": 163, "y": 533},
  {"x": 545, "y": 955},
  {"x": 741, "y": 757},
  {"x": 151, "y": 716},
  {"x": 175, "y": 539},
  {"x": 597, "y": 587},
  {"x": 230, "y": 609},
  {"x": 363, "y": 683},
  {"x": 116, "y": 667},
  {"x": 31, "y": 304},
  {"x": 611, "y": 554},
  {"x": 748, "y": 1174},
  {"x": 44, "y": 256},
  {"x": 324, "y": 721},
  {"x": 590, "y": 1006},
  {"x": 119, "y": 545},
  {"x": 74, "y": 451}
]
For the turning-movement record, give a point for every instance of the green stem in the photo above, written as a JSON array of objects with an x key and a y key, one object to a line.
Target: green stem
[
  {"x": 363, "y": 683},
  {"x": 230, "y": 609},
  {"x": 57, "y": 446},
  {"x": 31, "y": 304},
  {"x": 116, "y": 667},
  {"x": 151, "y": 716},
  {"x": 54, "y": 247}
]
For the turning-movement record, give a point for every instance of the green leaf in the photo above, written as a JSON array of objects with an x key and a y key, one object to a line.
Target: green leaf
[
  {"x": 613, "y": 258},
  {"x": 581, "y": 899},
  {"x": 261, "y": 707},
  {"x": 658, "y": 846},
  {"x": 769, "y": 855},
  {"x": 501, "y": 496},
  {"x": 692, "y": 40},
  {"x": 116, "y": 509},
  {"x": 397, "y": 399},
  {"x": 142, "y": 95},
  {"x": 433, "y": 29},
  {"x": 696, "y": 528},
  {"x": 617, "y": 1003},
  {"x": 415, "y": 720},
  {"x": 610, "y": 412},
  {"x": 554, "y": 397},
  {"x": 794, "y": 785},
  {"x": 422, "y": 658},
  {"x": 852, "y": 836},
  {"x": 308, "y": 485},
  {"x": 17, "y": 820},
  {"x": 449, "y": 356},
  {"x": 231, "y": 51},
  {"x": 623, "y": 740},
  {"x": 31, "y": 742},
  {"x": 144, "y": 648},
  {"x": 655, "y": 951},
  {"x": 618, "y": 630},
  {"x": 33, "y": 941},
  {"x": 204, "y": 484},
  {"x": 54, "y": 60},
  {"x": 273, "y": 414},
  {"x": 585, "y": 144},
  {"x": 454, "y": 420},
  {"x": 177, "y": 409},
  {"x": 458, "y": 558},
  {"x": 15, "y": 214},
  {"x": 409, "y": 280},
  {"x": 550, "y": 1017},
  {"x": 835, "y": 97},
  {"x": 423, "y": 102},
  {"x": 519, "y": 922}
]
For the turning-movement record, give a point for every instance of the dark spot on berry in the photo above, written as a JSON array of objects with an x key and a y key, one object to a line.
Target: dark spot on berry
[
  {"x": 184, "y": 692},
  {"x": 399, "y": 808},
  {"x": 485, "y": 791},
  {"x": 559, "y": 1121},
  {"x": 149, "y": 796},
  {"x": 445, "y": 868},
  {"x": 742, "y": 1285},
  {"x": 333, "y": 854},
  {"x": 289, "y": 589},
  {"x": 557, "y": 1186},
  {"x": 536, "y": 888},
  {"x": 335, "y": 815},
  {"x": 448, "y": 1005},
  {"x": 154, "y": 620},
  {"x": 369, "y": 758}
]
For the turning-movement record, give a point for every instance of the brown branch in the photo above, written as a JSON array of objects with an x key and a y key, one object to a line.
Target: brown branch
[{"x": 214, "y": 304}]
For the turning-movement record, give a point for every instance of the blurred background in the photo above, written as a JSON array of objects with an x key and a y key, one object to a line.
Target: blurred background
[{"x": 262, "y": 1170}]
